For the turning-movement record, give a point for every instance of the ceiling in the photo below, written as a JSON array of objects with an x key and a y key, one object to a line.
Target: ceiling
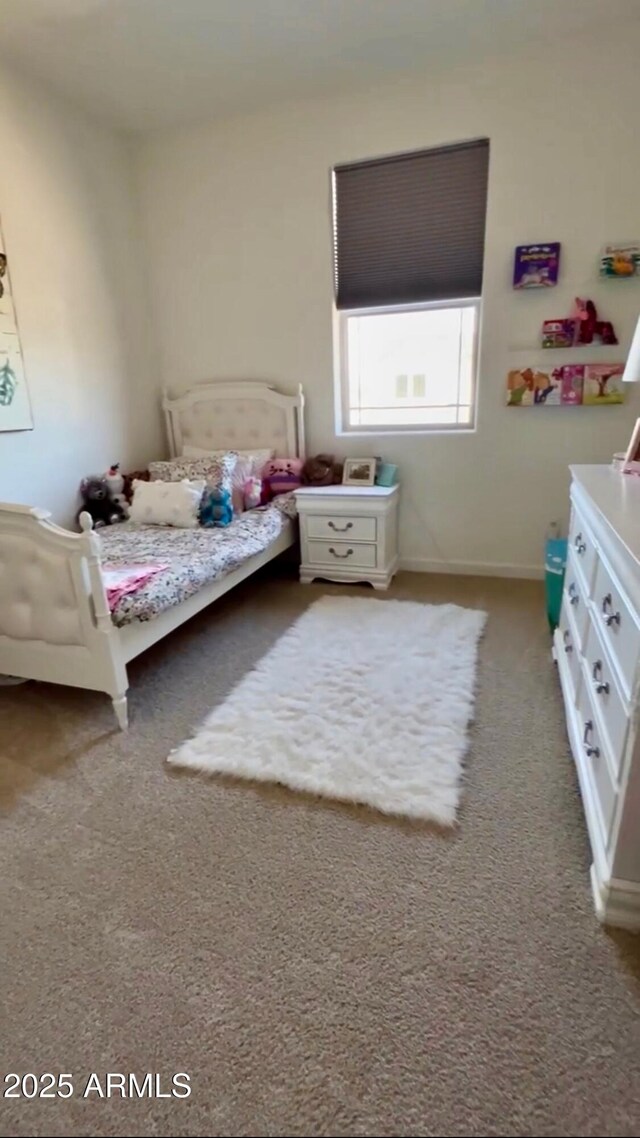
[{"x": 148, "y": 64}]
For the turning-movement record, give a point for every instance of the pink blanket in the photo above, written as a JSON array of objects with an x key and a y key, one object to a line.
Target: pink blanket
[{"x": 122, "y": 579}]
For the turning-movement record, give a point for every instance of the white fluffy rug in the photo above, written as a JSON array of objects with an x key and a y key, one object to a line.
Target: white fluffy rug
[{"x": 363, "y": 700}]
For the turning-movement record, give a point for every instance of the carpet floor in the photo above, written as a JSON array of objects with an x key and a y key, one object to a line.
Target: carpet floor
[{"x": 315, "y": 968}]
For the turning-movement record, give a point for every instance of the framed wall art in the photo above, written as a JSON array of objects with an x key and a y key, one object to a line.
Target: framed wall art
[{"x": 15, "y": 406}]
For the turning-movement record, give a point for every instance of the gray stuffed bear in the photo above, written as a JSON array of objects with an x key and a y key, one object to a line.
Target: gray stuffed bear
[{"x": 98, "y": 503}]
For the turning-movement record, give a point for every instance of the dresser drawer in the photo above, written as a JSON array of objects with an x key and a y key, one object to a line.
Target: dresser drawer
[
  {"x": 595, "y": 760},
  {"x": 342, "y": 554},
  {"x": 606, "y": 695},
  {"x": 575, "y": 598},
  {"x": 582, "y": 547},
  {"x": 341, "y": 528},
  {"x": 617, "y": 625},
  {"x": 570, "y": 646}
]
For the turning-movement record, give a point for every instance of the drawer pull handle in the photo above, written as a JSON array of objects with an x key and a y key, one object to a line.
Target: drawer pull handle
[
  {"x": 592, "y": 752},
  {"x": 580, "y": 545},
  {"x": 568, "y": 646},
  {"x": 574, "y": 599},
  {"x": 340, "y": 529},
  {"x": 340, "y": 555},
  {"x": 601, "y": 686},
  {"x": 609, "y": 617}
]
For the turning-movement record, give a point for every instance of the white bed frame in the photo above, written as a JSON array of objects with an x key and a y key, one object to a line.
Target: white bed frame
[{"x": 55, "y": 623}]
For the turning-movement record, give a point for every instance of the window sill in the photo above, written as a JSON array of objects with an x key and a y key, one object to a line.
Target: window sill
[{"x": 402, "y": 432}]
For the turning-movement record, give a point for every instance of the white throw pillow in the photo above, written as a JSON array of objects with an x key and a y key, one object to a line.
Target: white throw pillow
[{"x": 167, "y": 503}]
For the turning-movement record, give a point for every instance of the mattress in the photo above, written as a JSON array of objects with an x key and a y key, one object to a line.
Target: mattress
[{"x": 195, "y": 557}]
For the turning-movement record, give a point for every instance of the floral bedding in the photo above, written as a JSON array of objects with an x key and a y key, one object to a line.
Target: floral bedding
[{"x": 195, "y": 557}]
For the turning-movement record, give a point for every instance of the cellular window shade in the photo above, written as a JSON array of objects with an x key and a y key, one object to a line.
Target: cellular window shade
[{"x": 410, "y": 228}]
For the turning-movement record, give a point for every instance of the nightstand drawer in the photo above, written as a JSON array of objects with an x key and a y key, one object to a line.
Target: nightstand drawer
[
  {"x": 341, "y": 528},
  {"x": 342, "y": 554}
]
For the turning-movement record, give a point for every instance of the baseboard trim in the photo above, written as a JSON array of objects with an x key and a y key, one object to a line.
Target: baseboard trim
[
  {"x": 616, "y": 902},
  {"x": 472, "y": 568}
]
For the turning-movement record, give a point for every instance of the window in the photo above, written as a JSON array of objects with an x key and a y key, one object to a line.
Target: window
[
  {"x": 409, "y": 367},
  {"x": 408, "y": 261}
]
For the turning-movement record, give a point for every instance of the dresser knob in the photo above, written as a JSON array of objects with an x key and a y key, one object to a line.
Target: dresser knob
[
  {"x": 341, "y": 556},
  {"x": 579, "y": 544},
  {"x": 592, "y": 752},
  {"x": 573, "y": 594},
  {"x": 340, "y": 529},
  {"x": 609, "y": 616},
  {"x": 601, "y": 686},
  {"x": 568, "y": 646}
]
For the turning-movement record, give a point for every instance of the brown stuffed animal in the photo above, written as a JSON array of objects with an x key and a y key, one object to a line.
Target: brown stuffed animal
[
  {"x": 136, "y": 475},
  {"x": 322, "y": 470}
]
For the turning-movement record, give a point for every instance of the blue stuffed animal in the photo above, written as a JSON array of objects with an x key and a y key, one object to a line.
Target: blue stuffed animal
[{"x": 216, "y": 508}]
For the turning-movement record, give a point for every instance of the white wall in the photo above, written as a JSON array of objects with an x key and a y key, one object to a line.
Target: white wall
[
  {"x": 237, "y": 219},
  {"x": 70, "y": 225}
]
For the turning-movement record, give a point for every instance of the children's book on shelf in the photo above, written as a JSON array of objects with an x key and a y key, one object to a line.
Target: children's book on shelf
[
  {"x": 572, "y": 380},
  {"x": 620, "y": 260},
  {"x": 559, "y": 333},
  {"x": 570, "y": 385},
  {"x": 603, "y": 384},
  {"x": 536, "y": 266},
  {"x": 534, "y": 387}
]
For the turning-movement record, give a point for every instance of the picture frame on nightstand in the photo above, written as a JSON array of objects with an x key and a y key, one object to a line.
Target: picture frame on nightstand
[
  {"x": 631, "y": 461},
  {"x": 359, "y": 471}
]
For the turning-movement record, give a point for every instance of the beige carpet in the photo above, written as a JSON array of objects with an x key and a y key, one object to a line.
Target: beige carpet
[{"x": 316, "y": 969}]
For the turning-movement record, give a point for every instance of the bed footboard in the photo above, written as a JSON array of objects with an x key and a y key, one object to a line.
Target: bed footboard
[{"x": 54, "y": 617}]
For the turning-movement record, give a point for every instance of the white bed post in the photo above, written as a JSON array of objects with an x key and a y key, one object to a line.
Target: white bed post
[
  {"x": 302, "y": 453},
  {"x": 119, "y": 684},
  {"x": 169, "y": 423}
]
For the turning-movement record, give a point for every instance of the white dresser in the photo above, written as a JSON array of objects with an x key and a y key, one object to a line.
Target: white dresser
[
  {"x": 349, "y": 533},
  {"x": 597, "y": 649}
]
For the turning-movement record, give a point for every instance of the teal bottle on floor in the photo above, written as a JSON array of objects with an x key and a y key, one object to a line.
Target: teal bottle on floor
[{"x": 555, "y": 560}]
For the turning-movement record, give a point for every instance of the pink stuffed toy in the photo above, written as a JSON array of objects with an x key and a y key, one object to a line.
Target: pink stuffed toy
[
  {"x": 590, "y": 327},
  {"x": 252, "y": 493},
  {"x": 282, "y": 475}
]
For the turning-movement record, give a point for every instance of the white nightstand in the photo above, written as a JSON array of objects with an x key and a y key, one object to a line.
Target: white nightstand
[{"x": 349, "y": 533}]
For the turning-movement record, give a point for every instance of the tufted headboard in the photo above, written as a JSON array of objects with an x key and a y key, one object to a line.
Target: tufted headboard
[{"x": 236, "y": 416}]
